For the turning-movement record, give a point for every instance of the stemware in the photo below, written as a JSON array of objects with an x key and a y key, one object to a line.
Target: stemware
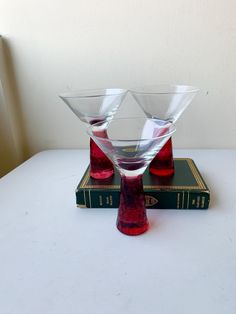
[
  {"x": 165, "y": 102},
  {"x": 91, "y": 106},
  {"x": 131, "y": 143}
]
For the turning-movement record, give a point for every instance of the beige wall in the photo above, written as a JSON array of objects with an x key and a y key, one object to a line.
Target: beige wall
[{"x": 57, "y": 45}]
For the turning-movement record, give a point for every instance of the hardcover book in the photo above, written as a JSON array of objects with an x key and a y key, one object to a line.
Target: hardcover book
[{"x": 186, "y": 189}]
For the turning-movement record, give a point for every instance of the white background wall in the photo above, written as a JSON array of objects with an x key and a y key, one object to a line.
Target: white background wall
[{"x": 57, "y": 45}]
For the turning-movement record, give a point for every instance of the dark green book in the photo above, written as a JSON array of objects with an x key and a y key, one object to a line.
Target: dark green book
[{"x": 186, "y": 189}]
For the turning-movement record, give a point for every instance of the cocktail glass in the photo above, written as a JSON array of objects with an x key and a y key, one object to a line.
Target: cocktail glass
[
  {"x": 165, "y": 102},
  {"x": 131, "y": 143},
  {"x": 92, "y": 106}
]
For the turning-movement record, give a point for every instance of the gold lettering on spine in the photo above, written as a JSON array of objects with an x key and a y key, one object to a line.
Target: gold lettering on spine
[
  {"x": 111, "y": 200},
  {"x": 203, "y": 202},
  {"x": 198, "y": 202},
  {"x": 100, "y": 200}
]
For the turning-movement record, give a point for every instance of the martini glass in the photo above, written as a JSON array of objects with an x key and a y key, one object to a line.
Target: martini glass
[
  {"x": 92, "y": 106},
  {"x": 165, "y": 102},
  {"x": 131, "y": 144}
]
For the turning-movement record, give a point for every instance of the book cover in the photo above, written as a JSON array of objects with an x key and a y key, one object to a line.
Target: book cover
[{"x": 186, "y": 189}]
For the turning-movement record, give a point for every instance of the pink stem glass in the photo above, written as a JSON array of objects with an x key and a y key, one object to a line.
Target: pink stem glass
[
  {"x": 100, "y": 166},
  {"x": 132, "y": 218},
  {"x": 163, "y": 163}
]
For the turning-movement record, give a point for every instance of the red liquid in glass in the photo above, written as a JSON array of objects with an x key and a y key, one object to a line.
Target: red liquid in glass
[
  {"x": 132, "y": 218},
  {"x": 163, "y": 163},
  {"x": 100, "y": 166}
]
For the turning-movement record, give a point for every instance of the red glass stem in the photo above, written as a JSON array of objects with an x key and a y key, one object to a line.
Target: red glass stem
[
  {"x": 100, "y": 165},
  {"x": 132, "y": 218},
  {"x": 163, "y": 162}
]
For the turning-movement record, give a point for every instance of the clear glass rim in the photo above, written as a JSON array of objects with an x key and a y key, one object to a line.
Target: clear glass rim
[
  {"x": 170, "y": 89},
  {"x": 89, "y": 93},
  {"x": 168, "y": 124}
]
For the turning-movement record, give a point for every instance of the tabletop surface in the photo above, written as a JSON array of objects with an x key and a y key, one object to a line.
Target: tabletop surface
[{"x": 56, "y": 258}]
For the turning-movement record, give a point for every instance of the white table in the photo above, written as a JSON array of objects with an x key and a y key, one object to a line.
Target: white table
[{"x": 56, "y": 258}]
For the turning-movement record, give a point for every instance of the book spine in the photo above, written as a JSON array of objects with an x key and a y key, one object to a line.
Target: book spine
[{"x": 87, "y": 198}]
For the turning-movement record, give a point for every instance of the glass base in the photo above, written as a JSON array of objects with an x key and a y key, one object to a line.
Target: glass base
[
  {"x": 100, "y": 166},
  {"x": 132, "y": 229},
  {"x": 101, "y": 174},
  {"x": 132, "y": 218},
  {"x": 162, "y": 172},
  {"x": 163, "y": 163}
]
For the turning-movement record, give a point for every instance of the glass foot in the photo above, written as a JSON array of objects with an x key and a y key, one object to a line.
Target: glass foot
[
  {"x": 162, "y": 172},
  {"x": 101, "y": 174},
  {"x": 132, "y": 229}
]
